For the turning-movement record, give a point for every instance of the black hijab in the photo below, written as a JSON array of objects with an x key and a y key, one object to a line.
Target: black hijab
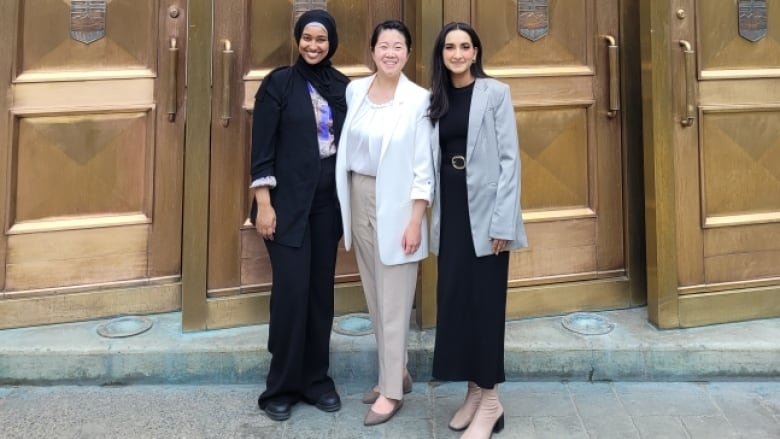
[{"x": 328, "y": 81}]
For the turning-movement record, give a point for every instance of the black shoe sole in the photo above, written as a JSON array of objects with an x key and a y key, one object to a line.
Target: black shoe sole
[
  {"x": 278, "y": 416},
  {"x": 329, "y": 408}
]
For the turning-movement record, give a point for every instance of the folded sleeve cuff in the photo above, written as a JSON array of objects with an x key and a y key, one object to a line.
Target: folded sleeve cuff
[{"x": 269, "y": 181}]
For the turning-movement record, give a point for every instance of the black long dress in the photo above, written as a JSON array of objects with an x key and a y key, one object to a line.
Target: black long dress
[{"x": 471, "y": 292}]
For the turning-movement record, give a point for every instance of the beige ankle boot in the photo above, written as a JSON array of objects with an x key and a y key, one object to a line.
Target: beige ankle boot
[
  {"x": 465, "y": 413},
  {"x": 489, "y": 418}
]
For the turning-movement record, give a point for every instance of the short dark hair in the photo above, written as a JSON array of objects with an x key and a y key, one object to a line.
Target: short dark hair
[
  {"x": 440, "y": 76},
  {"x": 392, "y": 25}
]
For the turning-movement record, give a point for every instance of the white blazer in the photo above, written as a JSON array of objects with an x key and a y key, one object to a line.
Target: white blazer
[
  {"x": 492, "y": 171},
  {"x": 405, "y": 169}
]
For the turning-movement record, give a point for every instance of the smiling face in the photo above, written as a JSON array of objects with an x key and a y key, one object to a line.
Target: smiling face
[
  {"x": 390, "y": 53},
  {"x": 314, "y": 45},
  {"x": 458, "y": 55}
]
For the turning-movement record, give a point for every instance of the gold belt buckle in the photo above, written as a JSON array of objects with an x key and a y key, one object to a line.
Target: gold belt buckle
[{"x": 458, "y": 162}]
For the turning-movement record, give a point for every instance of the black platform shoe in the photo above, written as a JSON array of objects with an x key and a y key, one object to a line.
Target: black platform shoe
[
  {"x": 329, "y": 402},
  {"x": 278, "y": 410}
]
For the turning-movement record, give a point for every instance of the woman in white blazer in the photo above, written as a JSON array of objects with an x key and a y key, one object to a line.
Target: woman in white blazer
[
  {"x": 475, "y": 221},
  {"x": 384, "y": 180}
]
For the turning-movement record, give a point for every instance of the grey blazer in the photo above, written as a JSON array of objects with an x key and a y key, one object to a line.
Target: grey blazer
[{"x": 492, "y": 171}]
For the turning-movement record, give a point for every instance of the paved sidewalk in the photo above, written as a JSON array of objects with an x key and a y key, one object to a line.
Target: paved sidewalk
[{"x": 534, "y": 410}]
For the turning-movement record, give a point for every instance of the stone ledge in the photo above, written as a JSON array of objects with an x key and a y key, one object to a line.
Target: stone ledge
[{"x": 536, "y": 349}]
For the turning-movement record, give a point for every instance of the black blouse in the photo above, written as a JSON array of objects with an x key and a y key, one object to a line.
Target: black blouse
[{"x": 454, "y": 126}]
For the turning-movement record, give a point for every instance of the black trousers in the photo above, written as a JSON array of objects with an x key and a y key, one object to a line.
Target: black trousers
[{"x": 302, "y": 302}]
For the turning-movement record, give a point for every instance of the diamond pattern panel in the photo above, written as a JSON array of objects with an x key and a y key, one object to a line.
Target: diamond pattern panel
[
  {"x": 81, "y": 165},
  {"x": 566, "y": 42},
  {"x": 722, "y": 47},
  {"x": 46, "y": 44},
  {"x": 554, "y": 154},
  {"x": 741, "y": 159}
]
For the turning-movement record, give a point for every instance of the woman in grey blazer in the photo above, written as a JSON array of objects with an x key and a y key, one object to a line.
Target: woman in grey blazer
[{"x": 476, "y": 220}]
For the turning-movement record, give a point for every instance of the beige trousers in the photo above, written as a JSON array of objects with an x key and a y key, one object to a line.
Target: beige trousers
[{"x": 389, "y": 289}]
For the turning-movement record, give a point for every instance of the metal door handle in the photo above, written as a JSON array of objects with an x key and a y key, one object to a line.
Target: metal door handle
[
  {"x": 690, "y": 70},
  {"x": 173, "y": 61},
  {"x": 227, "y": 72},
  {"x": 613, "y": 52}
]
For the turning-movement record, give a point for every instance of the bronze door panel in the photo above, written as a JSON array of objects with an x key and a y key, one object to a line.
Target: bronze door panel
[
  {"x": 729, "y": 176},
  {"x": 563, "y": 46},
  {"x": 79, "y": 150},
  {"x": 93, "y": 194},
  {"x": 716, "y": 181},
  {"x": 49, "y": 51},
  {"x": 723, "y": 52},
  {"x": 75, "y": 257}
]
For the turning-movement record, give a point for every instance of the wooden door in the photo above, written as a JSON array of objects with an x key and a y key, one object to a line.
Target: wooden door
[
  {"x": 555, "y": 55},
  {"x": 714, "y": 156},
  {"x": 91, "y": 161},
  {"x": 250, "y": 38}
]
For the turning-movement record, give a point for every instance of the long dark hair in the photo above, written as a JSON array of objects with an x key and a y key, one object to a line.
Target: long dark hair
[{"x": 440, "y": 76}]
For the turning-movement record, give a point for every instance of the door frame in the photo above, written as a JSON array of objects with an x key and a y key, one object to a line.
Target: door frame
[{"x": 667, "y": 308}]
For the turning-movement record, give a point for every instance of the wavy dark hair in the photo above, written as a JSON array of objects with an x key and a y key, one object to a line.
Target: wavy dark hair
[{"x": 440, "y": 76}]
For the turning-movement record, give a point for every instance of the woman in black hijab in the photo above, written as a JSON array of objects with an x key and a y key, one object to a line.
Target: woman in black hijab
[{"x": 298, "y": 114}]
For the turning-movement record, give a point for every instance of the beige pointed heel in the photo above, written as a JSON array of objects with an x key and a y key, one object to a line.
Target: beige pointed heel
[
  {"x": 371, "y": 395},
  {"x": 374, "y": 418}
]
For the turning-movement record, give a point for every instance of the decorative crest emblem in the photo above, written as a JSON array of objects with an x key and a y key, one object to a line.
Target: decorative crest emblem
[
  {"x": 752, "y": 19},
  {"x": 532, "y": 18},
  {"x": 87, "y": 20},
  {"x": 301, "y": 6}
]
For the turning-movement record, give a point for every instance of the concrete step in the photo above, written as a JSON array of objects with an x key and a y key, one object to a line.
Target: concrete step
[{"x": 536, "y": 349}]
